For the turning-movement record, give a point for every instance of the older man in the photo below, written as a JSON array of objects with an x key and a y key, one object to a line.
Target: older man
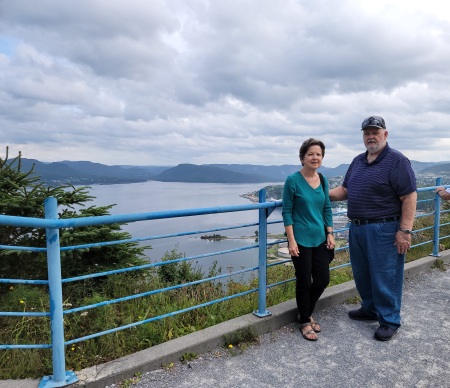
[{"x": 380, "y": 187}]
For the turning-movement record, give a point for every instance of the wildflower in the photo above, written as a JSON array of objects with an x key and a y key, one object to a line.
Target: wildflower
[
  {"x": 11, "y": 288},
  {"x": 22, "y": 301},
  {"x": 84, "y": 313},
  {"x": 72, "y": 348},
  {"x": 230, "y": 346}
]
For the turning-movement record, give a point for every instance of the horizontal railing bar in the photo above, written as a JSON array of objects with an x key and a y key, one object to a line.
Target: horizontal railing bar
[
  {"x": 125, "y": 218},
  {"x": 422, "y": 229},
  {"x": 279, "y": 262},
  {"x": 421, "y": 243},
  {"x": 23, "y": 314},
  {"x": 43, "y": 346},
  {"x": 424, "y": 215},
  {"x": 429, "y": 188},
  {"x": 280, "y": 283},
  {"x": 23, "y": 281},
  {"x": 19, "y": 248}
]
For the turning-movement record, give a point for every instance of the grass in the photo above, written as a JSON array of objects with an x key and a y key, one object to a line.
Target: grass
[
  {"x": 35, "y": 363},
  {"x": 440, "y": 265},
  {"x": 186, "y": 357},
  {"x": 238, "y": 341}
]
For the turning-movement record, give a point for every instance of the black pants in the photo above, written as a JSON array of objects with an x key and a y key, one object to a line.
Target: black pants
[{"x": 312, "y": 274}]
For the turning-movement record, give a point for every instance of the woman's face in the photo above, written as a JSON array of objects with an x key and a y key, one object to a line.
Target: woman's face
[{"x": 313, "y": 157}]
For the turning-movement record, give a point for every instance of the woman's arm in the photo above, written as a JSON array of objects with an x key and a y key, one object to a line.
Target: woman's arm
[{"x": 292, "y": 244}]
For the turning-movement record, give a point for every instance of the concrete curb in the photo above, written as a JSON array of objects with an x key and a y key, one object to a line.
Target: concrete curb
[{"x": 213, "y": 337}]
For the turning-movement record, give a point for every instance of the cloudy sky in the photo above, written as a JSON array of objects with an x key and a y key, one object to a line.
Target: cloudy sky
[{"x": 164, "y": 82}]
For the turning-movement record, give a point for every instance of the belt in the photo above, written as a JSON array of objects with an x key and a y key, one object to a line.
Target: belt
[{"x": 374, "y": 220}]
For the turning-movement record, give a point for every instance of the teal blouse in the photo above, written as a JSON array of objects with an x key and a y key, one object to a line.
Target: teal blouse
[{"x": 307, "y": 209}]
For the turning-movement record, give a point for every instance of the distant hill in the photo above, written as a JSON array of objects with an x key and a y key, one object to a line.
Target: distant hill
[
  {"x": 438, "y": 169},
  {"x": 278, "y": 173},
  {"x": 87, "y": 173},
  {"x": 207, "y": 173},
  {"x": 137, "y": 173}
]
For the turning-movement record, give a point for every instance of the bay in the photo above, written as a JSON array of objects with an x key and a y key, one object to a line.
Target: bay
[{"x": 154, "y": 196}]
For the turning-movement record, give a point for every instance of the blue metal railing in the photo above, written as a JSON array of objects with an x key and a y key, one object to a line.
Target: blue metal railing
[{"x": 52, "y": 224}]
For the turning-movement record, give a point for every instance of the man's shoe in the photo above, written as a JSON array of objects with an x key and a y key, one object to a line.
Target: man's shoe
[
  {"x": 361, "y": 315},
  {"x": 385, "y": 333}
]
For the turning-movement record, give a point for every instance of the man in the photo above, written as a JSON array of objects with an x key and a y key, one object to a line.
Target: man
[
  {"x": 443, "y": 193},
  {"x": 380, "y": 187}
]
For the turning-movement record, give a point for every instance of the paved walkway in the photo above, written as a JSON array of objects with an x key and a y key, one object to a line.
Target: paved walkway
[{"x": 346, "y": 354}]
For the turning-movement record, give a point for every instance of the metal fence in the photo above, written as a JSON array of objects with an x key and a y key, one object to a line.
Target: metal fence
[{"x": 52, "y": 225}]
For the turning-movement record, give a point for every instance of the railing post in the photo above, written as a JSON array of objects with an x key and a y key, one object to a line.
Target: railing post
[
  {"x": 437, "y": 220},
  {"x": 60, "y": 377},
  {"x": 262, "y": 259}
]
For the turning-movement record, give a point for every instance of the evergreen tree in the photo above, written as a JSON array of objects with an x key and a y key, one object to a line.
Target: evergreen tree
[{"x": 23, "y": 194}]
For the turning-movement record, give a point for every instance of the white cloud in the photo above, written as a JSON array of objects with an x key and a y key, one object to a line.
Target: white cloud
[{"x": 169, "y": 81}]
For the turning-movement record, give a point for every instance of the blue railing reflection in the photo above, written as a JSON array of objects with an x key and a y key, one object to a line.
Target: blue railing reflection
[{"x": 52, "y": 224}]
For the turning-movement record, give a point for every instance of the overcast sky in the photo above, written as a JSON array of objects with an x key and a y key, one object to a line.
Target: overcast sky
[{"x": 154, "y": 82}]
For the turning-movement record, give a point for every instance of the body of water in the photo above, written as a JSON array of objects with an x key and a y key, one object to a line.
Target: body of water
[{"x": 153, "y": 196}]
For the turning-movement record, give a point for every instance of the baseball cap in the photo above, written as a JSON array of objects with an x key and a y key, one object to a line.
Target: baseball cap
[{"x": 373, "y": 121}]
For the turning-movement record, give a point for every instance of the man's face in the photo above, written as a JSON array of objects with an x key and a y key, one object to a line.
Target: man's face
[{"x": 374, "y": 139}]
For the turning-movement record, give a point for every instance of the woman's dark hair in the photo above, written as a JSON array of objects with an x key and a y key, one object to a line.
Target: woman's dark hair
[{"x": 308, "y": 143}]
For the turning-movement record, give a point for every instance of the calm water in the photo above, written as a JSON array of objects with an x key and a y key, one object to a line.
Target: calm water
[{"x": 154, "y": 196}]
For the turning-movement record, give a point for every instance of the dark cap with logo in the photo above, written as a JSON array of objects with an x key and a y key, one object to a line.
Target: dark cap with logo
[{"x": 373, "y": 121}]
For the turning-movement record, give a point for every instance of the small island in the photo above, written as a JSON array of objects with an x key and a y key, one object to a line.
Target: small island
[{"x": 214, "y": 237}]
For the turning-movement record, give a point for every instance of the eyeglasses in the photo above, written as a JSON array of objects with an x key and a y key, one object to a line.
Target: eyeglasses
[{"x": 373, "y": 121}]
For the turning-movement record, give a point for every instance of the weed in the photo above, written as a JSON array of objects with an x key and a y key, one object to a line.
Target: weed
[
  {"x": 129, "y": 382},
  {"x": 241, "y": 337},
  {"x": 168, "y": 366},
  {"x": 355, "y": 300},
  {"x": 186, "y": 357},
  {"x": 440, "y": 265}
]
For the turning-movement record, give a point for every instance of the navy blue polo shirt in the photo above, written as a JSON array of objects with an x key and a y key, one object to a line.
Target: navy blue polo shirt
[{"x": 373, "y": 189}]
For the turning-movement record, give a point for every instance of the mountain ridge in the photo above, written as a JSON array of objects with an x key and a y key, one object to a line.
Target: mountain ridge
[{"x": 86, "y": 172}]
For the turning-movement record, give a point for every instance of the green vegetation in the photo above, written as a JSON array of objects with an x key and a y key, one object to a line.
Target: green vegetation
[
  {"x": 354, "y": 300},
  {"x": 33, "y": 330},
  {"x": 23, "y": 194},
  {"x": 130, "y": 382},
  {"x": 440, "y": 265},
  {"x": 238, "y": 341},
  {"x": 186, "y": 357},
  {"x": 245, "y": 335}
]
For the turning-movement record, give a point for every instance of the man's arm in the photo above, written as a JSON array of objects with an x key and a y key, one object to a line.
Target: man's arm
[
  {"x": 443, "y": 193},
  {"x": 338, "y": 194},
  {"x": 403, "y": 240}
]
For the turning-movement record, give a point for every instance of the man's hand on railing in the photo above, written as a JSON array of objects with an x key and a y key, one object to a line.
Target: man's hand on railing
[{"x": 443, "y": 192}]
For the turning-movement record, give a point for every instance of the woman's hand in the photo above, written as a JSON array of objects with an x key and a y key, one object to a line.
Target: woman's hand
[
  {"x": 330, "y": 241},
  {"x": 293, "y": 248},
  {"x": 292, "y": 244}
]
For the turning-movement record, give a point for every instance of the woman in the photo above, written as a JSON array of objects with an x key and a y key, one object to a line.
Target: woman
[{"x": 309, "y": 228}]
